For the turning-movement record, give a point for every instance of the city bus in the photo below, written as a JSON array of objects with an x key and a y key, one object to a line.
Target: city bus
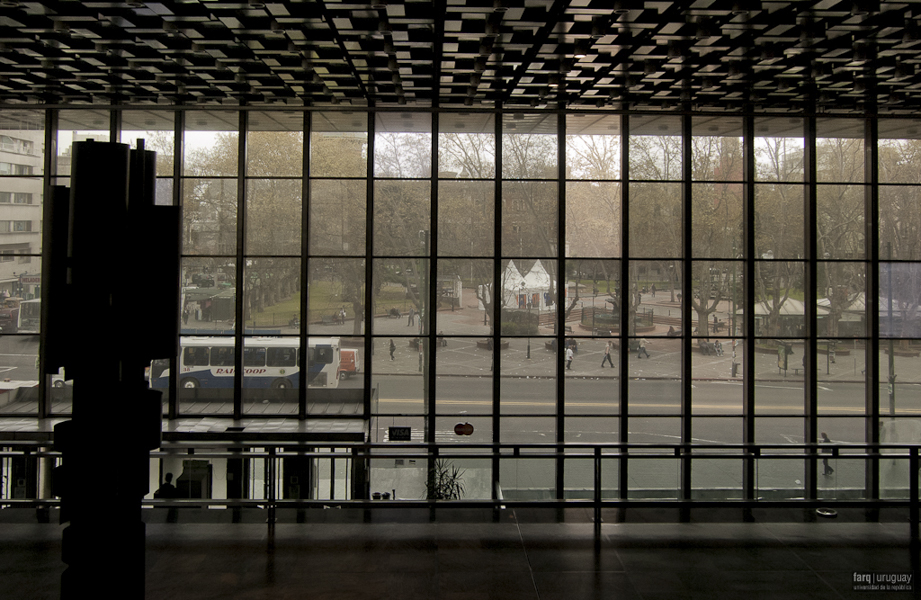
[{"x": 268, "y": 363}]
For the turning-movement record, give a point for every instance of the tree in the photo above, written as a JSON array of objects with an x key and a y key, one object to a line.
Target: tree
[
  {"x": 778, "y": 227},
  {"x": 840, "y": 226},
  {"x": 716, "y": 222},
  {"x": 338, "y": 217}
]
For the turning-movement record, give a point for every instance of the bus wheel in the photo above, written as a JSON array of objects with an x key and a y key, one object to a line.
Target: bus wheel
[
  {"x": 58, "y": 383},
  {"x": 281, "y": 384},
  {"x": 189, "y": 383}
]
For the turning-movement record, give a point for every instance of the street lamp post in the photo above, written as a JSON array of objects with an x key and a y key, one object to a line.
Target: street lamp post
[
  {"x": 528, "y": 326},
  {"x": 593, "y": 311}
]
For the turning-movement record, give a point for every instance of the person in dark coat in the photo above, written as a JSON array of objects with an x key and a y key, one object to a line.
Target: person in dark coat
[{"x": 828, "y": 469}]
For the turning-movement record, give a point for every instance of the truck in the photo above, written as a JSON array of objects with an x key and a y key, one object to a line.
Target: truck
[{"x": 349, "y": 363}]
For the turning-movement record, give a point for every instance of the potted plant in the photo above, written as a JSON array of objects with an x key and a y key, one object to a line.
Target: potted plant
[{"x": 444, "y": 481}]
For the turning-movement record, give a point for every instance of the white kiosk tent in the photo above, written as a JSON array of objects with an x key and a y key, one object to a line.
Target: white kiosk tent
[{"x": 535, "y": 287}]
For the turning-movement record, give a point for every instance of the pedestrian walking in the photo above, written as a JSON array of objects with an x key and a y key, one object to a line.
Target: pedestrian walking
[
  {"x": 569, "y": 355},
  {"x": 607, "y": 355},
  {"x": 412, "y": 316},
  {"x": 653, "y": 290},
  {"x": 825, "y": 440},
  {"x": 392, "y": 348},
  {"x": 642, "y": 349}
]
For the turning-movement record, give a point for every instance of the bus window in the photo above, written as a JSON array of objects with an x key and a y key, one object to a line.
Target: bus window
[
  {"x": 320, "y": 355},
  {"x": 197, "y": 356},
  {"x": 222, "y": 357},
  {"x": 281, "y": 357},
  {"x": 254, "y": 357}
]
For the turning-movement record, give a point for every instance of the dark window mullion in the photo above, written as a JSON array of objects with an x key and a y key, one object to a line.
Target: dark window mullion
[{"x": 239, "y": 323}]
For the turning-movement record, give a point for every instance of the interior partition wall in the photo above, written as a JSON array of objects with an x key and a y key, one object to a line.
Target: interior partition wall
[{"x": 573, "y": 279}]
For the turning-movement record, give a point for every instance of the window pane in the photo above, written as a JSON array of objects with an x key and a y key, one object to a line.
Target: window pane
[
  {"x": 270, "y": 375},
  {"x": 599, "y": 392},
  {"x": 716, "y": 220},
  {"x": 840, "y": 225},
  {"x": 529, "y": 291},
  {"x": 209, "y": 213},
  {"x": 899, "y": 222},
  {"x": 778, "y": 225},
  {"x": 271, "y": 294},
  {"x": 466, "y": 213},
  {"x": 900, "y": 299},
  {"x": 779, "y": 149},
  {"x": 713, "y": 299},
  {"x": 464, "y": 382},
  {"x": 899, "y": 389},
  {"x": 655, "y": 148},
  {"x": 208, "y": 299},
  {"x": 402, "y": 218},
  {"x": 275, "y": 144},
  {"x": 467, "y": 146},
  {"x": 338, "y": 209},
  {"x": 779, "y": 388},
  {"x": 593, "y": 147},
  {"x": 21, "y": 359},
  {"x": 841, "y": 293},
  {"x": 157, "y": 131},
  {"x": 716, "y": 149},
  {"x": 273, "y": 216},
  {"x": 526, "y": 386},
  {"x": 337, "y": 296},
  {"x": 779, "y": 308},
  {"x": 899, "y": 140},
  {"x": 593, "y": 219},
  {"x": 654, "y": 386},
  {"x": 78, "y": 126},
  {"x": 464, "y": 300},
  {"x": 592, "y": 296},
  {"x": 211, "y": 144},
  {"x": 529, "y": 218},
  {"x": 655, "y": 220},
  {"x": 840, "y": 150},
  {"x": 402, "y": 145},
  {"x": 400, "y": 296},
  {"x": 339, "y": 145},
  {"x": 529, "y": 146}
]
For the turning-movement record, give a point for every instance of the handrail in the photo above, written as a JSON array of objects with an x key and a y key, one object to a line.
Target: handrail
[
  {"x": 271, "y": 451},
  {"x": 503, "y": 450}
]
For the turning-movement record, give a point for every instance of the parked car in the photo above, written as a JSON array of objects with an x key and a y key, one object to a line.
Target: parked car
[{"x": 9, "y": 315}]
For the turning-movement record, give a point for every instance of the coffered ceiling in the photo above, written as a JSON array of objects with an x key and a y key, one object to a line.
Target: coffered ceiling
[{"x": 707, "y": 55}]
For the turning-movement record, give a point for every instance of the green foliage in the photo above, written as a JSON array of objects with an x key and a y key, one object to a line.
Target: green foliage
[
  {"x": 444, "y": 481},
  {"x": 606, "y": 320},
  {"x": 516, "y": 322}
]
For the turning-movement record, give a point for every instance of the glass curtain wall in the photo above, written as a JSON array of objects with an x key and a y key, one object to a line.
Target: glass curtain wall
[
  {"x": 593, "y": 217},
  {"x": 899, "y": 278},
  {"x": 541, "y": 278},
  {"x": 22, "y": 167}
]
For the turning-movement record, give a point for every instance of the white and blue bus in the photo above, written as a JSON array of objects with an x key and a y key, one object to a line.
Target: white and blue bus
[{"x": 268, "y": 363}]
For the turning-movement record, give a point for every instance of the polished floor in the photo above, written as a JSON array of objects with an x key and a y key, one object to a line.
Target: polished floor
[{"x": 517, "y": 554}]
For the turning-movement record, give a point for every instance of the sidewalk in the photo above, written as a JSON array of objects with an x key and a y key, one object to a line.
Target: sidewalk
[{"x": 462, "y": 356}]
